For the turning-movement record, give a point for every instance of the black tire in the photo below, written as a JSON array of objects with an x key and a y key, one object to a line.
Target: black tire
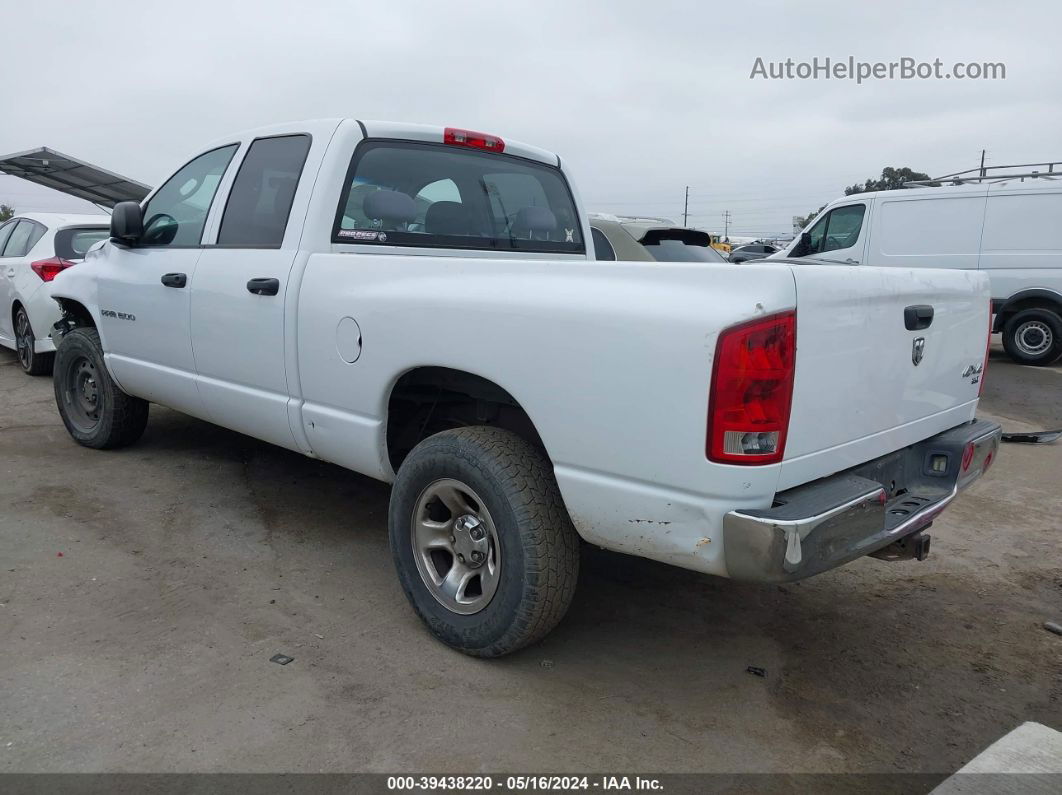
[
  {"x": 538, "y": 547},
  {"x": 32, "y": 363},
  {"x": 1033, "y": 336},
  {"x": 113, "y": 418}
]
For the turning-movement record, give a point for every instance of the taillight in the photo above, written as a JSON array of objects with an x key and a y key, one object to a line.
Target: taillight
[
  {"x": 752, "y": 391},
  {"x": 988, "y": 347},
  {"x": 48, "y": 269},
  {"x": 476, "y": 140}
]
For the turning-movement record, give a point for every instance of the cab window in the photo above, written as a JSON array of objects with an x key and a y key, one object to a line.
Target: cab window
[
  {"x": 838, "y": 229},
  {"x": 404, "y": 193},
  {"x": 176, "y": 214},
  {"x": 256, "y": 213}
]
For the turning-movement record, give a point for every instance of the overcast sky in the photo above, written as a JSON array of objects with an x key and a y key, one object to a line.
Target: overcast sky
[{"x": 639, "y": 98}]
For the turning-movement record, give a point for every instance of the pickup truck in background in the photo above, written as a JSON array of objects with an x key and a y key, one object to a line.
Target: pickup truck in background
[{"x": 422, "y": 305}]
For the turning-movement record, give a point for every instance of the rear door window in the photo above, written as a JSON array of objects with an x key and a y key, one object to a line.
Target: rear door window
[
  {"x": 23, "y": 238},
  {"x": 440, "y": 196},
  {"x": 669, "y": 250},
  {"x": 259, "y": 203},
  {"x": 602, "y": 247}
]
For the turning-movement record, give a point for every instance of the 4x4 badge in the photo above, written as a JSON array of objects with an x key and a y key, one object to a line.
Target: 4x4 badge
[{"x": 918, "y": 350}]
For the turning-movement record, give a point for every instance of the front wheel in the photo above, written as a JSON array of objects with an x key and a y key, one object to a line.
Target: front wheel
[
  {"x": 94, "y": 410},
  {"x": 482, "y": 542},
  {"x": 33, "y": 363},
  {"x": 1033, "y": 336}
]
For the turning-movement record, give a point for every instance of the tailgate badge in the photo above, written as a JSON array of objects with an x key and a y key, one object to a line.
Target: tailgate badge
[{"x": 918, "y": 350}]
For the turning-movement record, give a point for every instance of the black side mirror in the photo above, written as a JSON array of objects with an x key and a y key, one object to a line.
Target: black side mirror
[
  {"x": 127, "y": 223},
  {"x": 803, "y": 248}
]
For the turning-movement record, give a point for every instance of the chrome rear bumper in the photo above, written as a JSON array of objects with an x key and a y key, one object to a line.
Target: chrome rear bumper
[{"x": 832, "y": 521}]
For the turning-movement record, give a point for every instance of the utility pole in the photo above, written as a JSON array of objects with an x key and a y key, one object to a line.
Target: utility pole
[
  {"x": 686, "y": 206},
  {"x": 982, "y": 162},
  {"x": 726, "y": 226}
]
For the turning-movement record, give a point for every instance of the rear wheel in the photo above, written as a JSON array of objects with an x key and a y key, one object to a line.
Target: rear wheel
[
  {"x": 94, "y": 410},
  {"x": 1033, "y": 336},
  {"x": 33, "y": 363},
  {"x": 482, "y": 542}
]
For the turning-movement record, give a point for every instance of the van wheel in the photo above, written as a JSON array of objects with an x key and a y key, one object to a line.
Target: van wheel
[
  {"x": 94, "y": 410},
  {"x": 33, "y": 363},
  {"x": 1033, "y": 336},
  {"x": 483, "y": 545}
]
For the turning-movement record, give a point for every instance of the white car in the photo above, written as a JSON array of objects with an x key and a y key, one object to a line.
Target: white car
[
  {"x": 34, "y": 247},
  {"x": 422, "y": 305},
  {"x": 1005, "y": 225}
]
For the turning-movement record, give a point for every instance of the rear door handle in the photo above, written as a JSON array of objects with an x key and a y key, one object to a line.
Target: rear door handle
[
  {"x": 175, "y": 279},
  {"x": 917, "y": 317},
  {"x": 263, "y": 286},
  {"x": 851, "y": 261}
]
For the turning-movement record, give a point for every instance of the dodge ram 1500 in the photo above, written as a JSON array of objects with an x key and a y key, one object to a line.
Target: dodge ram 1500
[{"x": 422, "y": 305}]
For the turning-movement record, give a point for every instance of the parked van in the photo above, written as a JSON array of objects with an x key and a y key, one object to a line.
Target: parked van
[{"x": 1010, "y": 228}]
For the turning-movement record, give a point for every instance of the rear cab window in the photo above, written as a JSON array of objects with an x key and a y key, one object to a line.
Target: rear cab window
[
  {"x": 405, "y": 193},
  {"x": 72, "y": 243}
]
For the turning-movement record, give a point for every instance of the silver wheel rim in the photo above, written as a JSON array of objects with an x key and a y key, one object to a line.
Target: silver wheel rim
[
  {"x": 23, "y": 340},
  {"x": 1034, "y": 338},
  {"x": 456, "y": 547}
]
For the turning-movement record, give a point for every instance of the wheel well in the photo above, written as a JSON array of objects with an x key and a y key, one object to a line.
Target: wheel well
[
  {"x": 427, "y": 400},
  {"x": 14, "y": 310},
  {"x": 76, "y": 312}
]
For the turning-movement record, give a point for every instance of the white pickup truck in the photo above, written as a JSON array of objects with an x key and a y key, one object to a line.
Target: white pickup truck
[{"x": 421, "y": 305}]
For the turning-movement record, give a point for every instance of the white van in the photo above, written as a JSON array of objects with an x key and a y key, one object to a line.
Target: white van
[{"x": 1011, "y": 229}]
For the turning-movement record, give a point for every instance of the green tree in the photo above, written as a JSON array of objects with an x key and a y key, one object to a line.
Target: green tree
[
  {"x": 891, "y": 179},
  {"x": 6, "y": 212}
]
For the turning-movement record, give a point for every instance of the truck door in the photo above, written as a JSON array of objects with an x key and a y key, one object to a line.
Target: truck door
[
  {"x": 143, "y": 289},
  {"x": 241, "y": 289}
]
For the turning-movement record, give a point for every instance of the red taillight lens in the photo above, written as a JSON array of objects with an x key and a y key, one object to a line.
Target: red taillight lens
[
  {"x": 752, "y": 391},
  {"x": 476, "y": 140},
  {"x": 47, "y": 269},
  {"x": 988, "y": 347}
]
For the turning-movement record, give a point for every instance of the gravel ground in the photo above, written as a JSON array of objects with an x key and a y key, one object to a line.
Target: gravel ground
[{"x": 143, "y": 592}]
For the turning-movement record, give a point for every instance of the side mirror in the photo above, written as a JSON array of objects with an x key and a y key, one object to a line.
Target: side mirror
[
  {"x": 803, "y": 248},
  {"x": 127, "y": 223}
]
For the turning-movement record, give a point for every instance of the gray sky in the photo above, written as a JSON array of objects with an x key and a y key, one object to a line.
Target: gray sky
[{"x": 639, "y": 98}]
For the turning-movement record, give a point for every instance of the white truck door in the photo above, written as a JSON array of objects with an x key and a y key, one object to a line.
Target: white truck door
[
  {"x": 841, "y": 234},
  {"x": 241, "y": 290},
  {"x": 143, "y": 289}
]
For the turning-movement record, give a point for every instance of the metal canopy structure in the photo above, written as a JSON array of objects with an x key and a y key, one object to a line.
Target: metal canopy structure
[{"x": 73, "y": 177}]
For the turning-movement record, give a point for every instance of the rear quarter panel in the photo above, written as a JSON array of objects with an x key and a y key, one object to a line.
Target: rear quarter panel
[{"x": 611, "y": 361}]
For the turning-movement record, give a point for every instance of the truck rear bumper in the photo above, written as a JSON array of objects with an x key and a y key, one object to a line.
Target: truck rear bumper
[{"x": 829, "y": 522}]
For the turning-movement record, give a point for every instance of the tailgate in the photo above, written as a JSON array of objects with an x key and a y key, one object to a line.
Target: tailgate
[{"x": 865, "y": 384}]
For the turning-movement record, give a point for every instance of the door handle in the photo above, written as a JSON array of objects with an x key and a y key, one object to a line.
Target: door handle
[
  {"x": 851, "y": 261},
  {"x": 263, "y": 286},
  {"x": 917, "y": 317},
  {"x": 174, "y": 279}
]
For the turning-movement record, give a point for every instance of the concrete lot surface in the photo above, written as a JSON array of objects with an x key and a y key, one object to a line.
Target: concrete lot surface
[{"x": 143, "y": 592}]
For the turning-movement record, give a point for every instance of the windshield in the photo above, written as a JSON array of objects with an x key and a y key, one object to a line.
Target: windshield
[{"x": 677, "y": 251}]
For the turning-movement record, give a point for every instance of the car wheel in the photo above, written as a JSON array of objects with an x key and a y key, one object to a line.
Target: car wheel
[
  {"x": 94, "y": 410},
  {"x": 1033, "y": 336},
  {"x": 33, "y": 363},
  {"x": 484, "y": 547}
]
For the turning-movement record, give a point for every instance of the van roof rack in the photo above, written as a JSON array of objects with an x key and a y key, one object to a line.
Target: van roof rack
[{"x": 992, "y": 174}]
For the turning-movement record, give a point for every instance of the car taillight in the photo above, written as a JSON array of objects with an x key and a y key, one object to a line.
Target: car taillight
[
  {"x": 476, "y": 140},
  {"x": 752, "y": 391},
  {"x": 988, "y": 347},
  {"x": 48, "y": 269}
]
